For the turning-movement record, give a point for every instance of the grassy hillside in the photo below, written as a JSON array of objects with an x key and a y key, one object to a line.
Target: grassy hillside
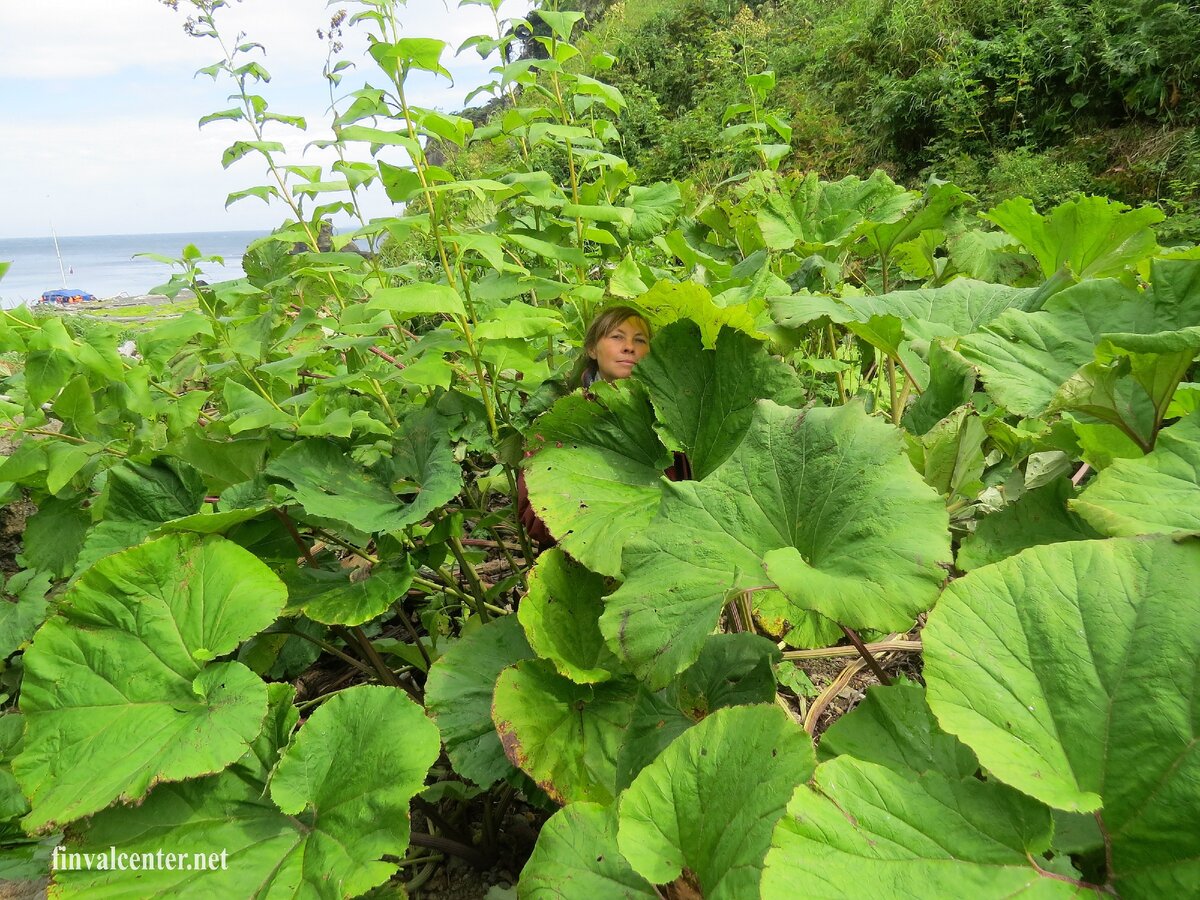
[{"x": 1004, "y": 97}]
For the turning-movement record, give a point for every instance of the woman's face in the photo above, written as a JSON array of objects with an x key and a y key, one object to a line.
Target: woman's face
[{"x": 618, "y": 351}]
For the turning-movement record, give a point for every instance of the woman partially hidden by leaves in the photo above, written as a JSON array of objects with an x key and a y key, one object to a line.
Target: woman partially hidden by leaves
[{"x": 615, "y": 342}]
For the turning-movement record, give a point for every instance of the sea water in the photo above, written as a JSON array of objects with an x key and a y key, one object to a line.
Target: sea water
[{"x": 108, "y": 265}]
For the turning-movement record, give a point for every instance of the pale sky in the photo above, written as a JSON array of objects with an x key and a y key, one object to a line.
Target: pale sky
[{"x": 100, "y": 103}]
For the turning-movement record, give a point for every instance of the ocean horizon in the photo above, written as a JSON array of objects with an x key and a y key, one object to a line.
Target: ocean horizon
[{"x": 107, "y": 265}]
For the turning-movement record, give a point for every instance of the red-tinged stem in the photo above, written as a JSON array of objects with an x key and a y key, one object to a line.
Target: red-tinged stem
[
  {"x": 866, "y": 655},
  {"x": 386, "y": 356},
  {"x": 1046, "y": 873},
  {"x": 1108, "y": 848},
  {"x": 291, "y": 529}
]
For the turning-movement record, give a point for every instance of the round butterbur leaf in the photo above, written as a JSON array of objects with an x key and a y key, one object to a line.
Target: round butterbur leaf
[
  {"x": 1156, "y": 494},
  {"x": 560, "y": 615},
  {"x": 458, "y": 695},
  {"x": 1070, "y": 670},
  {"x": 826, "y": 499},
  {"x": 706, "y": 807},
  {"x": 563, "y": 735},
  {"x": 119, "y": 693},
  {"x": 595, "y": 478},
  {"x": 577, "y": 856},
  {"x": 343, "y": 786},
  {"x": 908, "y": 835}
]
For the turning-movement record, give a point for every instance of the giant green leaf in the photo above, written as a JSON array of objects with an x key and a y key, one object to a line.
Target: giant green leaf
[
  {"x": 343, "y": 598},
  {"x": 1026, "y": 357},
  {"x": 577, "y": 856},
  {"x": 23, "y": 607},
  {"x": 668, "y": 302},
  {"x": 418, "y": 300},
  {"x": 248, "y": 410},
  {"x": 392, "y": 745},
  {"x": 119, "y": 693},
  {"x": 327, "y": 484},
  {"x": 1091, "y": 237},
  {"x": 705, "y": 398},
  {"x": 951, "y": 383},
  {"x": 458, "y": 694},
  {"x": 12, "y": 801},
  {"x": 565, "y": 736},
  {"x": 46, "y": 373},
  {"x": 519, "y": 320},
  {"x": 908, "y": 835},
  {"x": 1130, "y": 388},
  {"x": 950, "y": 455},
  {"x": 560, "y": 615},
  {"x": 961, "y": 307},
  {"x": 212, "y": 522},
  {"x": 882, "y": 237},
  {"x": 1070, "y": 670},
  {"x": 1155, "y": 363},
  {"x": 1158, "y": 493},
  {"x": 824, "y": 498},
  {"x": 893, "y": 727},
  {"x": 986, "y": 255},
  {"x": 136, "y": 499},
  {"x": 1039, "y": 516},
  {"x": 707, "y": 805},
  {"x": 423, "y": 464},
  {"x": 596, "y": 478},
  {"x": 655, "y": 207},
  {"x": 733, "y": 669},
  {"x": 343, "y": 785},
  {"x": 226, "y": 462},
  {"x": 813, "y": 215}
]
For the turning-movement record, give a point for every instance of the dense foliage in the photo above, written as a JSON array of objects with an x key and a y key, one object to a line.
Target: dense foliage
[
  {"x": 1008, "y": 98},
  {"x": 275, "y": 596}
]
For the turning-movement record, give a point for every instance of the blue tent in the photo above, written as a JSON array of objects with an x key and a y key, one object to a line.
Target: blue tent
[{"x": 67, "y": 295}]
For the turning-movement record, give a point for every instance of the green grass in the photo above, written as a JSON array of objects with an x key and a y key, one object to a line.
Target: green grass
[{"x": 144, "y": 309}]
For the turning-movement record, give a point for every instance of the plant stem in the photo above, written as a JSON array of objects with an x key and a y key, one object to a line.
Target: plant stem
[
  {"x": 910, "y": 380},
  {"x": 1046, "y": 873},
  {"x": 330, "y": 649},
  {"x": 386, "y": 675},
  {"x": 454, "y": 848},
  {"x": 472, "y": 577},
  {"x": 743, "y": 602},
  {"x": 522, "y": 534},
  {"x": 866, "y": 655},
  {"x": 419, "y": 880},
  {"x": 497, "y": 544},
  {"x": 412, "y": 630},
  {"x": 841, "y": 382},
  {"x": 446, "y": 587},
  {"x": 334, "y": 539},
  {"x": 887, "y": 646},
  {"x": 1108, "y": 848},
  {"x": 891, "y": 380},
  {"x": 305, "y": 550}
]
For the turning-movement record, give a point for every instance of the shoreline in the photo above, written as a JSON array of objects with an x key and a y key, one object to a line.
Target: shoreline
[
  {"x": 117, "y": 301},
  {"x": 124, "y": 308}
]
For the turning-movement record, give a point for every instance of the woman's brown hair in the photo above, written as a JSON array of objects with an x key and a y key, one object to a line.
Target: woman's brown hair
[{"x": 604, "y": 322}]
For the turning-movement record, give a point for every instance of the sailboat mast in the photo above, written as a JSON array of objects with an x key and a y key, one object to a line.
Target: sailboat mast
[{"x": 57, "y": 253}]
